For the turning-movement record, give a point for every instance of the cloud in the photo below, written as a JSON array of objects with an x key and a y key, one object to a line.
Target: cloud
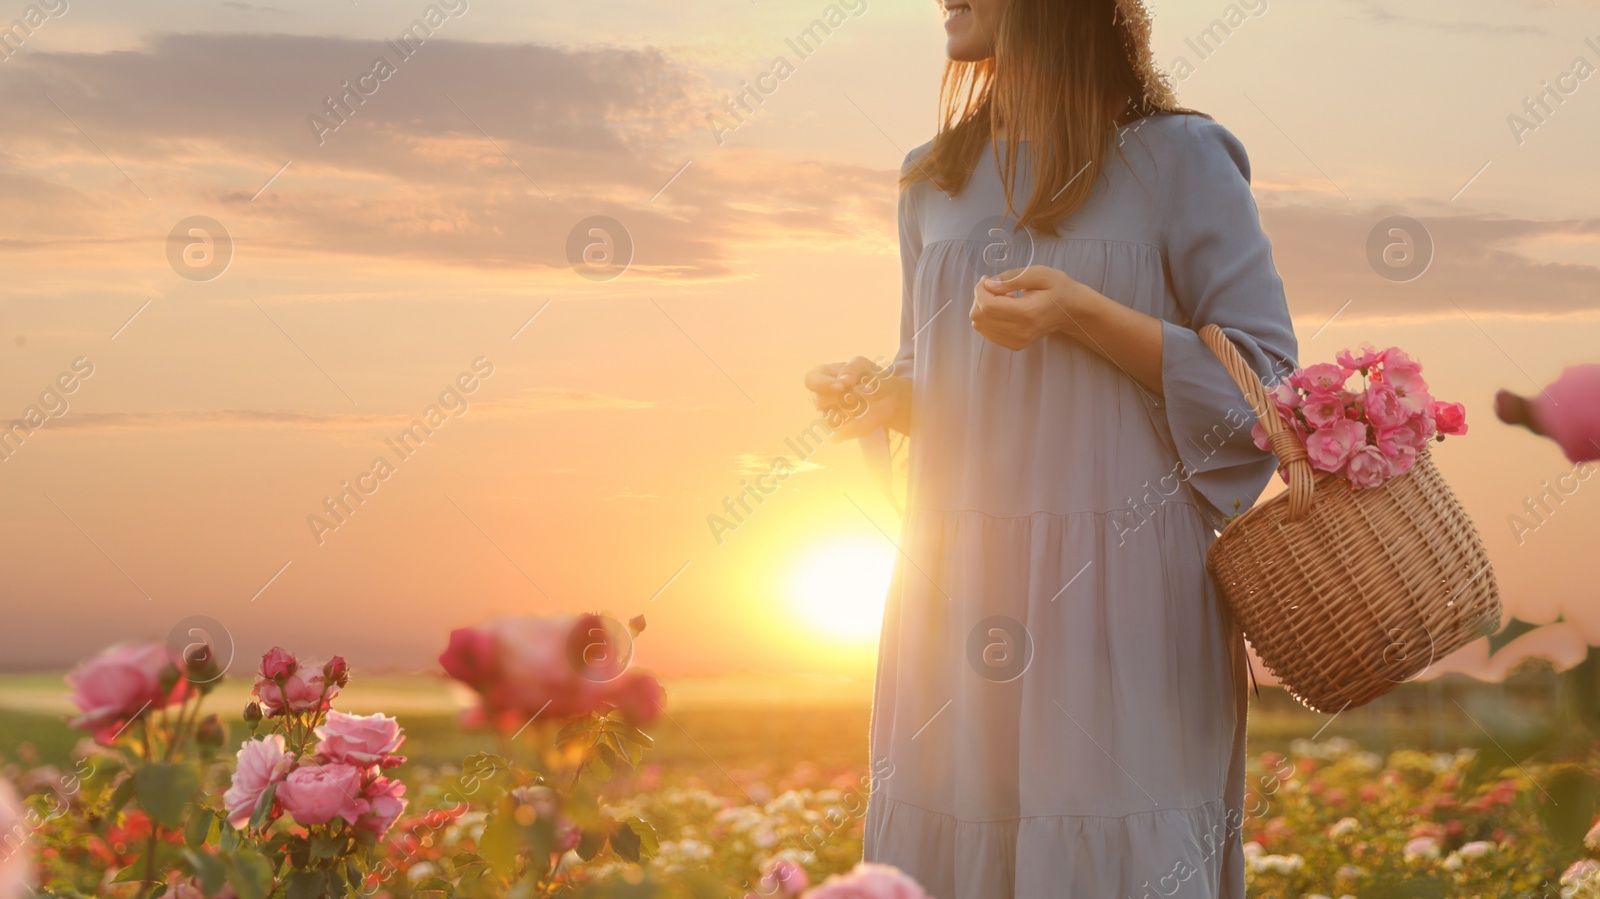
[
  {"x": 1381, "y": 16},
  {"x": 1481, "y": 264},
  {"x": 531, "y": 401},
  {"x": 761, "y": 463},
  {"x": 476, "y": 155}
]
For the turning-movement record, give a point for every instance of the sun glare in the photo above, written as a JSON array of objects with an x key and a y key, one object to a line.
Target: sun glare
[{"x": 839, "y": 587}]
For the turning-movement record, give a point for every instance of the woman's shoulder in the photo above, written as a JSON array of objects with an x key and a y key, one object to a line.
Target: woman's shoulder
[{"x": 1184, "y": 140}]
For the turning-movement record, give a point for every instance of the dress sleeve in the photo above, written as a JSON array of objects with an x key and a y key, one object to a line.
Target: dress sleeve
[
  {"x": 1219, "y": 265},
  {"x": 910, "y": 227}
]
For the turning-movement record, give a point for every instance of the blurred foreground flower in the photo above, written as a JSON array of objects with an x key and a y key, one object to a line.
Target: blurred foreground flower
[
  {"x": 121, "y": 682},
  {"x": 552, "y": 667},
  {"x": 869, "y": 881}
]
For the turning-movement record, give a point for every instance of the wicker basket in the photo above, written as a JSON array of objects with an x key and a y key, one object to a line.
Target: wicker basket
[{"x": 1347, "y": 593}]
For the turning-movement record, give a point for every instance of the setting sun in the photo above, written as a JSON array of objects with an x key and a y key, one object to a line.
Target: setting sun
[{"x": 839, "y": 587}]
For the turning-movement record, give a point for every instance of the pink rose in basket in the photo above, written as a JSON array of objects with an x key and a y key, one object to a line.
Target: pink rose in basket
[
  {"x": 1331, "y": 447},
  {"x": 1367, "y": 359},
  {"x": 1365, "y": 433},
  {"x": 1450, "y": 417},
  {"x": 1324, "y": 377},
  {"x": 1323, "y": 409}
]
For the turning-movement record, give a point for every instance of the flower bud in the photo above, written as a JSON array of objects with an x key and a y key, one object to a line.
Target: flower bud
[
  {"x": 278, "y": 664},
  {"x": 337, "y": 671},
  {"x": 211, "y": 732},
  {"x": 252, "y": 715}
]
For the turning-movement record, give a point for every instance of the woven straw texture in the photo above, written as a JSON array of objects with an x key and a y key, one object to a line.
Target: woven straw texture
[{"x": 1346, "y": 593}]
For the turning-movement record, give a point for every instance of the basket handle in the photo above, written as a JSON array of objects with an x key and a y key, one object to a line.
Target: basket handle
[{"x": 1285, "y": 443}]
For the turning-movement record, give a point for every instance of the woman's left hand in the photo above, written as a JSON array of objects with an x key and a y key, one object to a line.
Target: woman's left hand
[{"x": 1051, "y": 302}]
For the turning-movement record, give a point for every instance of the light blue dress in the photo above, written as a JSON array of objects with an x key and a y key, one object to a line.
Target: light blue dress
[{"x": 1061, "y": 696}]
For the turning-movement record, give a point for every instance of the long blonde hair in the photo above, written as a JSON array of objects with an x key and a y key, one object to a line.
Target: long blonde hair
[{"x": 1064, "y": 71}]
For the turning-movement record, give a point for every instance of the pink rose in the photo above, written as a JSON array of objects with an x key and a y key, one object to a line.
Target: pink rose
[
  {"x": 1383, "y": 406},
  {"x": 470, "y": 657},
  {"x": 1330, "y": 447},
  {"x": 1397, "y": 441},
  {"x": 869, "y": 881},
  {"x": 278, "y": 663},
  {"x": 568, "y": 835},
  {"x": 1450, "y": 418},
  {"x": 316, "y": 794},
  {"x": 637, "y": 696},
  {"x": 1368, "y": 467},
  {"x": 112, "y": 688},
  {"x": 360, "y": 740},
  {"x": 1324, "y": 377},
  {"x": 16, "y": 861},
  {"x": 384, "y": 804},
  {"x": 550, "y": 667},
  {"x": 1323, "y": 409},
  {"x": 306, "y": 690},
  {"x": 1399, "y": 462},
  {"x": 783, "y": 878},
  {"x": 1368, "y": 357},
  {"x": 1582, "y": 871},
  {"x": 1285, "y": 396},
  {"x": 262, "y": 763}
]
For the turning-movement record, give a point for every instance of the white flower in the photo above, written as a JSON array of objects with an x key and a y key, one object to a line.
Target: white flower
[
  {"x": 1349, "y": 872},
  {"x": 1277, "y": 864},
  {"x": 1421, "y": 847},
  {"x": 1476, "y": 849},
  {"x": 420, "y": 870},
  {"x": 1452, "y": 862},
  {"x": 1369, "y": 761},
  {"x": 1343, "y": 827},
  {"x": 1252, "y": 848}
]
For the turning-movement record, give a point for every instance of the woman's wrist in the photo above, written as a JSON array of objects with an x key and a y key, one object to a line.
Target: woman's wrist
[{"x": 898, "y": 396}]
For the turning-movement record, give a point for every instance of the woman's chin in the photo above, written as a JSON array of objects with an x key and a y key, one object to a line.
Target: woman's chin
[{"x": 962, "y": 50}]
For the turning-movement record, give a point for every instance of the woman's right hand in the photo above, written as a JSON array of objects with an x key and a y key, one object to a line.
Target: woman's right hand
[{"x": 857, "y": 397}]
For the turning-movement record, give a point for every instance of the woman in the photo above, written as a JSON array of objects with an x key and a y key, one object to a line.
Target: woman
[{"x": 1060, "y": 704}]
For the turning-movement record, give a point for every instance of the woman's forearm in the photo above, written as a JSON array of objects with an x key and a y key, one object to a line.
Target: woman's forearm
[{"x": 1127, "y": 338}]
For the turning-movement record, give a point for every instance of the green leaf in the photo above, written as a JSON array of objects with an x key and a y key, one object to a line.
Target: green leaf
[
  {"x": 198, "y": 828},
  {"x": 649, "y": 843},
  {"x": 591, "y": 843},
  {"x": 207, "y": 869},
  {"x": 323, "y": 846},
  {"x": 249, "y": 873},
  {"x": 227, "y": 837},
  {"x": 120, "y": 796},
  {"x": 263, "y": 807},
  {"x": 308, "y": 885},
  {"x": 1566, "y": 818},
  {"x": 434, "y": 883},
  {"x": 498, "y": 845},
  {"x": 164, "y": 789},
  {"x": 166, "y": 858},
  {"x": 634, "y": 840}
]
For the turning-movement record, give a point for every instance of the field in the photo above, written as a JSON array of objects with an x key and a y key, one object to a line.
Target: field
[{"x": 1412, "y": 796}]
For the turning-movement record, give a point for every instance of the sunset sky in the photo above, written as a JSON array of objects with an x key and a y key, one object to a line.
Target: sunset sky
[{"x": 372, "y": 263}]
